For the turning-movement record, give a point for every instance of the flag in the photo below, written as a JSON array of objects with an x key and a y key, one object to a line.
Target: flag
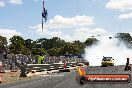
[{"x": 44, "y": 14}]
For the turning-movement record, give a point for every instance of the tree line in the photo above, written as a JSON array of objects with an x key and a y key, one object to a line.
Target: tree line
[{"x": 54, "y": 46}]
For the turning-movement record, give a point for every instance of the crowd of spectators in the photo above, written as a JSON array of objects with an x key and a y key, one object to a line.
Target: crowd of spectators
[{"x": 14, "y": 61}]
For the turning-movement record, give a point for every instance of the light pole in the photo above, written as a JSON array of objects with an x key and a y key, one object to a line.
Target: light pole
[{"x": 41, "y": 47}]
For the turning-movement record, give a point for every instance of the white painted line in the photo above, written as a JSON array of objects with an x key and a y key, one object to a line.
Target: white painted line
[
  {"x": 52, "y": 75},
  {"x": 37, "y": 64}
]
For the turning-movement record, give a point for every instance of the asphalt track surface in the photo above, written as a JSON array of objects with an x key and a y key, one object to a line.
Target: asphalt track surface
[{"x": 67, "y": 80}]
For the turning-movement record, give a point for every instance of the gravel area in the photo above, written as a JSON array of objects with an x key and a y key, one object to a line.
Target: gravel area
[{"x": 10, "y": 77}]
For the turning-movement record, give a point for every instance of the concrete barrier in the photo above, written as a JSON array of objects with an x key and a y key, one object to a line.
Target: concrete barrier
[{"x": 42, "y": 69}]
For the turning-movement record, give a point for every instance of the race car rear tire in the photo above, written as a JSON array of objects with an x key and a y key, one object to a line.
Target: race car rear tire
[{"x": 82, "y": 80}]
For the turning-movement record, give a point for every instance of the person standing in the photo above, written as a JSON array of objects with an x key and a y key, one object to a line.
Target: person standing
[{"x": 40, "y": 59}]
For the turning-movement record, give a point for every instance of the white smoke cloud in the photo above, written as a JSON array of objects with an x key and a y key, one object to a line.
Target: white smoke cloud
[{"x": 109, "y": 48}]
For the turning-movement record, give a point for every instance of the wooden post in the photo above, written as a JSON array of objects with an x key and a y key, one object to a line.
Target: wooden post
[
  {"x": 127, "y": 67},
  {"x": 128, "y": 61}
]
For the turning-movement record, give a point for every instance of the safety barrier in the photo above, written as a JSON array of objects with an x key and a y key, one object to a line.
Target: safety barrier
[{"x": 40, "y": 69}]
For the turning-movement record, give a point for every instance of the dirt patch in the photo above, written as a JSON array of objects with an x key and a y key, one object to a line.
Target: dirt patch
[{"x": 9, "y": 77}]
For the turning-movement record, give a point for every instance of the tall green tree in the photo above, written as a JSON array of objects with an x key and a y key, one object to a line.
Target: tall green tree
[
  {"x": 90, "y": 41},
  {"x": 47, "y": 44},
  {"x": 25, "y": 51},
  {"x": 17, "y": 44},
  {"x": 43, "y": 43},
  {"x": 70, "y": 49},
  {"x": 54, "y": 52},
  {"x": 80, "y": 45},
  {"x": 126, "y": 38},
  {"x": 38, "y": 51},
  {"x": 28, "y": 43},
  {"x": 3, "y": 42},
  {"x": 57, "y": 42}
]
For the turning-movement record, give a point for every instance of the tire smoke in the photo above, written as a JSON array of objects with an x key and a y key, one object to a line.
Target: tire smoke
[{"x": 109, "y": 48}]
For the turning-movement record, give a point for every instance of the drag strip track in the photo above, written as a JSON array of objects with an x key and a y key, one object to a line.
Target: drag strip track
[{"x": 67, "y": 80}]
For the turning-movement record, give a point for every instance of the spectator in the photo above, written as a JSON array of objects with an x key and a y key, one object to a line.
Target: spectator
[{"x": 11, "y": 66}]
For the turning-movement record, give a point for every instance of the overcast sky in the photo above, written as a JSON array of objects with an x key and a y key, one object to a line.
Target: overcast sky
[{"x": 67, "y": 19}]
